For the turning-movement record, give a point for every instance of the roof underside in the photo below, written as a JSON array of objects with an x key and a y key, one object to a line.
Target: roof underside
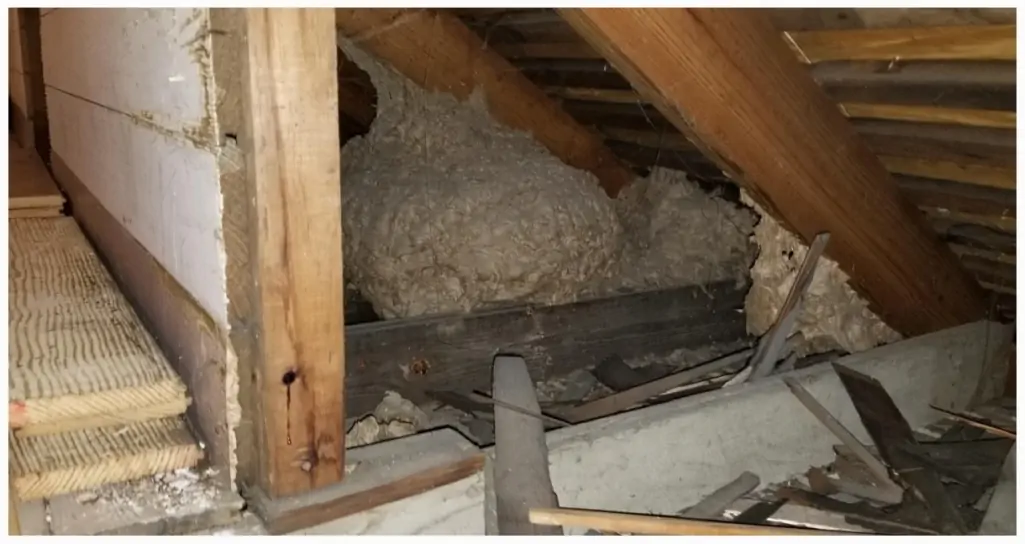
[{"x": 941, "y": 117}]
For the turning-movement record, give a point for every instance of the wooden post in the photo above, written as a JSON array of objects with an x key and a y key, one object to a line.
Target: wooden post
[
  {"x": 280, "y": 176},
  {"x": 727, "y": 80}
]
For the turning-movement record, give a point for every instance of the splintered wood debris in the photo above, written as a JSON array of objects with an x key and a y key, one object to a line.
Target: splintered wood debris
[{"x": 934, "y": 482}]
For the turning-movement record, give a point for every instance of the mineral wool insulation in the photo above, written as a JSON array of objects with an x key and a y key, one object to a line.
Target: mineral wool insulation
[
  {"x": 447, "y": 211},
  {"x": 833, "y": 315}
]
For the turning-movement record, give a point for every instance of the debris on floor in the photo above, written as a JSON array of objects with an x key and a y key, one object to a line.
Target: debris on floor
[
  {"x": 174, "y": 503},
  {"x": 942, "y": 480}
]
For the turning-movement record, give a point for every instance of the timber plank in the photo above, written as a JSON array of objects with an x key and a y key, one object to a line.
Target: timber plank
[
  {"x": 931, "y": 114},
  {"x": 444, "y": 352},
  {"x": 749, "y": 112},
  {"x": 959, "y": 197},
  {"x": 379, "y": 474},
  {"x": 892, "y": 435},
  {"x": 974, "y": 42},
  {"x": 975, "y": 174},
  {"x": 293, "y": 166}
]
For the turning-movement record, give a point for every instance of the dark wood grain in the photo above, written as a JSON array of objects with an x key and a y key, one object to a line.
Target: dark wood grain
[{"x": 455, "y": 351}]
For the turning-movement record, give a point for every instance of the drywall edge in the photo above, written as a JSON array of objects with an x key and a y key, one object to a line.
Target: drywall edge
[{"x": 664, "y": 458}]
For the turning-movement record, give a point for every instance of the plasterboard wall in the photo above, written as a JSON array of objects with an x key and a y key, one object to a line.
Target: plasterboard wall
[{"x": 129, "y": 98}]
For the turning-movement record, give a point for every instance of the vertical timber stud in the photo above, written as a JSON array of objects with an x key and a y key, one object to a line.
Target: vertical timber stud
[
  {"x": 726, "y": 79},
  {"x": 289, "y": 138}
]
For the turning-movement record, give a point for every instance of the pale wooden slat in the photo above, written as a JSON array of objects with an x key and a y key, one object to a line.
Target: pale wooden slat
[
  {"x": 975, "y": 174},
  {"x": 985, "y": 42},
  {"x": 930, "y": 114},
  {"x": 44, "y": 466},
  {"x": 78, "y": 353}
]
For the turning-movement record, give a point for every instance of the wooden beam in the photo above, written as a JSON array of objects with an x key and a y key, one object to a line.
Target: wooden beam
[
  {"x": 282, "y": 223},
  {"x": 763, "y": 119},
  {"x": 975, "y": 42},
  {"x": 439, "y": 53},
  {"x": 930, "y": 114}
]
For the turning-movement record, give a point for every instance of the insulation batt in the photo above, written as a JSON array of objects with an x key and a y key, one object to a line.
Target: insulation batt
[
  {"x": 447, "y": 211},
  {"x": 833, "y": 315}
]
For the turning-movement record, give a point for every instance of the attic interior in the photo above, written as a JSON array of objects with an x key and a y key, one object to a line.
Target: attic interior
[{"x": 575, "y": 255}]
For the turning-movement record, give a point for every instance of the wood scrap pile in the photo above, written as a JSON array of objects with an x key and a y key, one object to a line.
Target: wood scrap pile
[
  {"x": 909, "y": 483},
  {"x": 936, "y": 482},
  {"x": 612, "y": 386},
  {"x": 93, "y": 400}
]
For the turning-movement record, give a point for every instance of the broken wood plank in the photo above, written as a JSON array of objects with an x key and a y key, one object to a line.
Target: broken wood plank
[
  {"x": 747, "y": 113},
  {"x": 378, "y": 474},
  {"x": 974, "y": 422},
  {"x": 624, "y": 400},
  {"x": 522, "y": 479},
  {"x": 855, "y": 513},
  {"x": 931, "y": 114},
  {"x": 713, "y": 506},
  {"x": 878, "y": 470},
  {"x": 646, "y": 524},
  {"x": 984, "y": 42},
  {"x": 891, "y": 432},
  {"x": 768, "y": 351},
  {"x": 759, "y": 513},
  {"x": 438, "y": 52},
  {"x": 445, "y": 352}
]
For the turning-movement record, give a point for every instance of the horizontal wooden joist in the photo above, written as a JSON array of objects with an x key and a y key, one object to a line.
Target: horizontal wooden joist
[
  {"x": 1000, "y": 223},
  {"x": 958, "y": 197},
  {"x": 763, "y": 119},
  {"x": 956, "y": 85},
  {"x": 987, "y": 254},
  {"x": 945, "y": 84},
  {"x": 438, "y": 52},
  {"x": 975, "y": 236},
  {"x": 959, "y": 144},
  {"x": 896, "y": 112},
  {"x": 970, "y": 42},
  {"x": 974, "y": 174},
  {"x": 931, "y": 114},
  {"x": 975, "y": 42}
]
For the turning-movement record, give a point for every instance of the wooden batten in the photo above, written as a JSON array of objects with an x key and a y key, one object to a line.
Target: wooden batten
[
  {"x": 977, "y": 42},
  {"x": 974, "y": 174},
  {"x": 438, "y": 52},
  {"x": 282, "y": 231},
  {"x": 1000, "y": 223},
  {"x": 763, "y": 119},
  {"x": 930, "y": 114}
]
